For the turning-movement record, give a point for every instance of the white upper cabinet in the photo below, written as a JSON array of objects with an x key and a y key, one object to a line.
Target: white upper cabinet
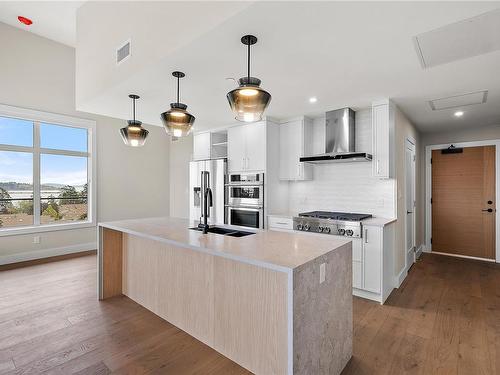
[
  {"x": 236, "y": 149},
  {"x": 201, "y": 146},
  {"x": 383, "y": 135},
  {"x": 295, "y": 142},
  {"x": 255, "y": 136},
  {"x": 246, "y": 150}
]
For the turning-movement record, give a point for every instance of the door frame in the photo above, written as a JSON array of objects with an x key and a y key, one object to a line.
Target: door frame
[
  {"x": 428, "y": 191},
  {"x": 411, "y": 144}
]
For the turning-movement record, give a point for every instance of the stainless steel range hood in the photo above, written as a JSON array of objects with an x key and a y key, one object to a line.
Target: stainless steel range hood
[{"x": 339, "y": 139}]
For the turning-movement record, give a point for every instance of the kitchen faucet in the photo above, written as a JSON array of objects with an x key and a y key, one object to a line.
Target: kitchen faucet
[{"x": 206, "y": 204}]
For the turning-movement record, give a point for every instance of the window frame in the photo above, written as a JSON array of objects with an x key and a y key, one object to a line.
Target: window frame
[{"x": 38, "y": 117}]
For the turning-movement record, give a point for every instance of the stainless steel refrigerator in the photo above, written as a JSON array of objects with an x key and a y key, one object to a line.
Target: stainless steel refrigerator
[{"x": 216, "y": 177}]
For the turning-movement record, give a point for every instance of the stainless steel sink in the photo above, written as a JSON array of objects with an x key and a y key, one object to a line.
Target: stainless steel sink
[{"x": 224, "y": 231}]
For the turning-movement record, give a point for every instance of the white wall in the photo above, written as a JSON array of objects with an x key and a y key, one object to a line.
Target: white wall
[
  {"x": 344, "y": 186},
  {"x": 405, "y": 129},
  {"x": 181, "y": 152},
  {"x": 38, "y": 73}
]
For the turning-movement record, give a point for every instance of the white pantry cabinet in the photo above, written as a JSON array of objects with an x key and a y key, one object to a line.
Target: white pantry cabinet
[
  {"x": 246, "y": 150},
  {"x": 383, "y": 139},
  {"x": 201, "y": 146},
  {"x": 295, "y": 142}
]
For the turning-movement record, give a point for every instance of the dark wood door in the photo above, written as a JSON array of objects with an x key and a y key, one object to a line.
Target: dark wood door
[{"x": 463, "y": 190}]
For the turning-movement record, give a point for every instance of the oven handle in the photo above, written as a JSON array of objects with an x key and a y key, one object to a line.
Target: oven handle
[
  {"x": 246, "y": 208},
  {"x": 246, "y": 184}
]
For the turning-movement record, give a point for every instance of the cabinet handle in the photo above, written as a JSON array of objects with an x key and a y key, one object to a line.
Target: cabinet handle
[
  {"x": 246, "y": 164},
  {"x": 243, "y": 163},
  {"x": 299, "y": 170},
  {"x": 366, "y": 235},
  {"x": 281, "y": 223},
  {"x": 378, "y": 166}
]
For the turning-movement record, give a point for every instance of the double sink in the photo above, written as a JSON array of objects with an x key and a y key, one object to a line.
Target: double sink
[{"x": 224, "y": 231}]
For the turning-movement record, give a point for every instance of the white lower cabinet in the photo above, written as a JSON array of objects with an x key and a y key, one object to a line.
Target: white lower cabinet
[{"x": 373, "y": 265}]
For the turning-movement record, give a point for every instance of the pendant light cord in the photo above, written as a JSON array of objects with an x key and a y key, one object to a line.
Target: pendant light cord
[
  {"x": 248, "y": 62},
  {"x": 133, "y": 108},
  {"x": 178, "y": 78}
]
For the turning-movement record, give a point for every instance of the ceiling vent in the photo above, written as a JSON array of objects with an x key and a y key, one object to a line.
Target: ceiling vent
[
  {"x": 460, "y": 40},
  {"x": 478, "y": 97},
  {"x": 123, "y": 52}
]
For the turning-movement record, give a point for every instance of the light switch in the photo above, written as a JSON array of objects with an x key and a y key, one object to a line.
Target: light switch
[
  {"x": 36, "y": 239},
  {"x": 322, "y": 273}
]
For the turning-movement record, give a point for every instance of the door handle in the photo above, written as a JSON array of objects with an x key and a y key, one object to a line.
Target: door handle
[
  {"x": 409, "y": 212},
  {"x": 488, "y": 210}
]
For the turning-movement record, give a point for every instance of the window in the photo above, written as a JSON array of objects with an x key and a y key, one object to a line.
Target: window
[{"x": 46, "y": 169}]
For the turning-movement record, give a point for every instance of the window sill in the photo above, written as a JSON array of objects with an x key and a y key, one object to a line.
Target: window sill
[{"x": 45, "y": 228}]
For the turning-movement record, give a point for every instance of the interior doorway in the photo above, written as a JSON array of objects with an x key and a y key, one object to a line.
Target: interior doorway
[
  {"x": 463, "y": 201},
  {"x": 410, "y": 160}
]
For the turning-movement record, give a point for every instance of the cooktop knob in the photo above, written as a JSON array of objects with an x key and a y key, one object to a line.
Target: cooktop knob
[
  {"x": 326, "y": 230},
  {"x": 349, "y": 232},
  {"x": 341, "y": 231},
  {"x": 299, "y": 226},
  {"x": 307, "y": 227},
  {"x": 320, "y": 229}
]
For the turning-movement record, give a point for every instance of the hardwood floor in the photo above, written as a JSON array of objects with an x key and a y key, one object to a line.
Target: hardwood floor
[{"x": 445, "y": 319}]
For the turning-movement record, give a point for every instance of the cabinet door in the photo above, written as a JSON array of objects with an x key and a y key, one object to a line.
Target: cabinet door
[
  {"x": 255, "y": 136},
  {"x": 356, "y": 275},
  {"x": 381, "y": 140},
  {"x": 236, "y": 149},
  {"x": 285, "y": 165},
  {"x": 372, "y": 259},
  {"x": 201, "y": 146},
  {"x": 291, "y": 149}
]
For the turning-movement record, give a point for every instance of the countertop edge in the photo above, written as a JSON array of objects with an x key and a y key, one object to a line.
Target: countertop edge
[{"x": 253, "y": 262}]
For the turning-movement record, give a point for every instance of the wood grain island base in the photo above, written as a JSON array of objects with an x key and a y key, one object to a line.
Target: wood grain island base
[{"x": 257, "y": 300}]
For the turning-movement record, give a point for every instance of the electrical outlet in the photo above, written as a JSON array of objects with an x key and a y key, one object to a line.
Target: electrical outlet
[
  {"x": 36, "y": 239},
  {"x": 322, "y": 273}
]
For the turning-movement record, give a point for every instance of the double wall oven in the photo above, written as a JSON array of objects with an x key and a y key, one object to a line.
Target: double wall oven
[{"x": 245, "y": 200}]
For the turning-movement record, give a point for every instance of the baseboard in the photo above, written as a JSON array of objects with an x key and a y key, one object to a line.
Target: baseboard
[
  {"x": 464, "y": 257},
  {"x": 426, "y": 248},
  {"x": 401, "y": 277},
  {"x": 46, "y": 253}
]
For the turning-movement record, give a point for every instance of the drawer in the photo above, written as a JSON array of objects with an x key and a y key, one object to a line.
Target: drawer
[
  {"x": 356, "y": 275},
  {"x": 276, "y": 222}
]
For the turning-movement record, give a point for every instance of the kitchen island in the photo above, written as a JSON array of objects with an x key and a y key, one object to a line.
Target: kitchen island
[{"x": 273, "y": 302}]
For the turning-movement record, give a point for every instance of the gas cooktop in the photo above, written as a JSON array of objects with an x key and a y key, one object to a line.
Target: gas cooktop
[
  {"x": 345, "y": 216},
  {"x": 337, "y": 223}
]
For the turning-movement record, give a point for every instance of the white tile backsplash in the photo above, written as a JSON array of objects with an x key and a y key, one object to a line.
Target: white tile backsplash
[{"x": 344, "y": 186}]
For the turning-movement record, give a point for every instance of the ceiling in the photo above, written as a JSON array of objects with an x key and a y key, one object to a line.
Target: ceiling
[
  {"x": 343, "y": 53},
  {"x": 55, "y": 20}
]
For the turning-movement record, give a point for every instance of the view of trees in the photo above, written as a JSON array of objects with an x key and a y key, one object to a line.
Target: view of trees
[{"x": 49, "y": 206}]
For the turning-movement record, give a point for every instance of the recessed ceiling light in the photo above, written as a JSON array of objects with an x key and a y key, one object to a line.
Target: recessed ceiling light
[
  {"x": 459, "y": 113},
  {"x": 313, "y": 99},
  {"x": 24, "y": 20}
]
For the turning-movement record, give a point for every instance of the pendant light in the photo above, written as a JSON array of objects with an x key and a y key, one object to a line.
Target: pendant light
[
  {"x": 134, "y": 134},
  {"x": 248, "y": 101},
  {"x": 177, "y": 121}
]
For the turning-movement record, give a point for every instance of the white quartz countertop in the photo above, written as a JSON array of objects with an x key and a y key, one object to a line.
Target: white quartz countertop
[
  {"x": 378, "y": 221},
  {"x": 272, "y": 249}
]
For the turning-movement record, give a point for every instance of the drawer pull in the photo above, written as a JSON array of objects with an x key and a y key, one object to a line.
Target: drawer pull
[{"x": 281, "y": 223}]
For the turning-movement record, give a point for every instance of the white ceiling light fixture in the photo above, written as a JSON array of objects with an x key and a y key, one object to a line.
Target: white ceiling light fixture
[
  {"x": 313, "y": 99},
  {"x": 459, "y": 113}
]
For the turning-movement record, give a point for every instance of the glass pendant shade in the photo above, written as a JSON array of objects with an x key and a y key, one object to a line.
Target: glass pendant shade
[
  {"x": 248, "y": 101},
  {"x": 134, "y": 134},
  {"x": 177, "y": 121}
]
